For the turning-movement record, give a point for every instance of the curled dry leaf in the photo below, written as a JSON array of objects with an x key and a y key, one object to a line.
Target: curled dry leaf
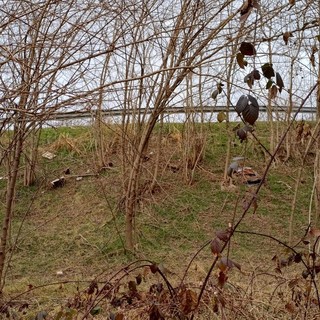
[
  {"x": 214, "y": 94},
  {"x": 132, "y": 286},
  {"x": 247, "y": 7},
  {"x": 119, "y": 316},
  {"x": 313, "y": 60},
  {"x": 286, "y": 35},
  {"x": 139, "y": 279},
  {"x": 256, "y": 74},
  {"x": 249, "y": 107},
  {"x": 242, "y": 134},
  {"x": 249, "y": 80},
  {"x": 267, "y": 70},
  {"x": 223, "y": 235},
  {"x": 290, "y": 307},
  {"x": 240, "y": 60},
  {"x": 314, "y": 49},
  {"x": 154, "y": 268},
  {"x": 188, "y": 300},
  {"x": 247, "y": 48},
  {"x": 216, "y": 246},
  {"x": 241, "y": 104},
  {"x": 279, "y": 81},
  {"x": 273, "y": 92},
  {"x": 155, "y": 314},
  {"x": 226, "y": 263},
  {"x": 221, "y": 116},
  {"x": 222, "y": 279},
  {"x": 251, "y": 113}
]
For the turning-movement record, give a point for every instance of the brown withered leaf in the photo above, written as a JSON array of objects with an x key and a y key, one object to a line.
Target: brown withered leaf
[
  {"x": 256, "y": 74},
  {"x": 297, "y": 258},
  {"x": 256, "y": 4},
  {"x": 292, "y": 3},
  {"x": 314, "y": 232},
  {"x": 93, "y": 287},
  {"x": 223, "y": 235},
  {"x": 155, "y": 314},
  {"x": 188, "y": 300},
  {"x": 132, "y": 286},
  {"x": 242, "y": 134},
  {"x": 314, "y": 49},
  {"x": 267, "y": 70},
  {"x": 279, "y": 81},
  {"x": 290, "y": 307},
  {"x": 240, "y": 60},
  {"x": 222, "y": 279},
  {"x": 247, "y": 7},
  {"x": 139, "y": 278},
  {"x": 216, "y": 246},
  {"x": 286, "y": 35},
  {"x": 119, "y": 316},
  {"x": 273, "y": 92},
  {"x": 245, "y": 10},
  {"x": 313, "y": 60},
  {"x": 214, "y": 94},
  {"x": 247, "y": 48},
  {"x": 226, "y": 263},
  {"x": 249, "y": 80},
  {"x": 154, "y": 268}
]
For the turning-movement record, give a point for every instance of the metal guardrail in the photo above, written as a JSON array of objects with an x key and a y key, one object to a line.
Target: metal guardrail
[
  {"x": 169, "y": 110},
  {"x": 74, "y": 115}
]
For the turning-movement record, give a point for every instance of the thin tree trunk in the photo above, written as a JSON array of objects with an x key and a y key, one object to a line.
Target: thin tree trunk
[{"x": 13, "y": 168}]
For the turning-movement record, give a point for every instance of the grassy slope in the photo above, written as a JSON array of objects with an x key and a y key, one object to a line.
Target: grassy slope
[{"x": 78, "y": 230}]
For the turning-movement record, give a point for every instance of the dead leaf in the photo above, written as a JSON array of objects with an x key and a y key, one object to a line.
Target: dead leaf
[
  {"x": 154, "y": 268},
  {"x": 221, "y": 116},
  {"x": 292, "y": 3},
  {"x": 240, "y": 60},
  {"x": 279, "y": 81},
  {"x": 214, "y": 94},
  {"x": 119, "y": 316},
  {"x": 226, "y": 263},
  {"x": 155, "y": 314},
  {"x": 188, "y": 300},
  {"x": 314, "y": 49},
  {"x": 132, "y": 286},
  {"x": 313, "y": 60},
  {"x": 286, "y": 35},
  {"x": 247, "y": 48},
  {"x": 216, "y": 246},
  {"x": 223, "y": 235},
  {"x": 290, "y": 307},
  {"x": 273, "y": 92},
  {"x": 314, "y": 232},
  {"x": 222, "y": 279},
  {"x": 267, "y": 70}
]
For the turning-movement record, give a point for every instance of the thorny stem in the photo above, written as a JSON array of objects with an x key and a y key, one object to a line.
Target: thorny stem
[{"x": 253, "y": 196}]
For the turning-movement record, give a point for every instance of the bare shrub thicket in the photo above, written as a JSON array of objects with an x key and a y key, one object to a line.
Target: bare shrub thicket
[{"x": 142, "y": 58}]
